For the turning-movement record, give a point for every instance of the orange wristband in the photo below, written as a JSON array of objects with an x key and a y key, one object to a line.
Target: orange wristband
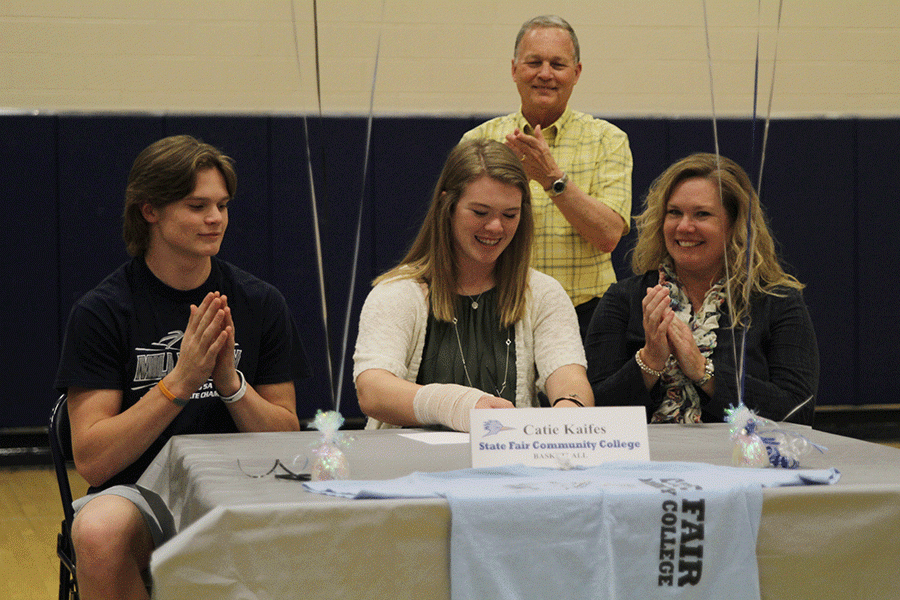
[{"x": 175, "y": 399}]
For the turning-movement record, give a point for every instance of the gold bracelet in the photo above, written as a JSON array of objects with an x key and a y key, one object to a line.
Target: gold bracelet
[
  {"x": 644, "y": 367},
  {"x": 172, "y": 397}
]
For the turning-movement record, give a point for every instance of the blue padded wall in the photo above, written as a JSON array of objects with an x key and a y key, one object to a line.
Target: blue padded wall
[
  {"x": 95, "y": 156},
  {"x": 293, "y": 250},
  {"x": 808, "y": 191},
  {"x": 648, "y": 140},
  {"x": 30, "y": 266},
  {"x": 828, "y": 187},
  {"x": 877, "y": 230},
  {"x": 400, "y": 195}
]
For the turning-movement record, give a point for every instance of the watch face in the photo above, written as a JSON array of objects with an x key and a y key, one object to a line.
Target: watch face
[{"x": 559, "y": 185}]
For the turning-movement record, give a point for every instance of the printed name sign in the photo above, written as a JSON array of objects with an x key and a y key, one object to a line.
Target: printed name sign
[{"x": 558, "y": 437}]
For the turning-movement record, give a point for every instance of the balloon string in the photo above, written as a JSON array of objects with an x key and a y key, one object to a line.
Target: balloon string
[
  {"x": 712, "y": 98},
  {"x": 351, "y": 292},
  {"x": 316, "y": 40},
  {"x": 745, "y": 325},
  {"x": 762, "y": 160},
  {"x": 317, "y": 236},
  {"x": 740, "y": 353}
]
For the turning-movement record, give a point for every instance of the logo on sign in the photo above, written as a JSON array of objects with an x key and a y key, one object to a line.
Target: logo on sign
[{"x": 493, "y": 427}]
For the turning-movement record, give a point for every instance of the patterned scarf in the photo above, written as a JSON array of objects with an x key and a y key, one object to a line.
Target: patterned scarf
[{"x": 681, "y": 403}]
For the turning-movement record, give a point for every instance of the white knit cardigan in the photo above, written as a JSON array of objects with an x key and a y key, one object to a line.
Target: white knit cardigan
[{"x": 394, "y": 320}]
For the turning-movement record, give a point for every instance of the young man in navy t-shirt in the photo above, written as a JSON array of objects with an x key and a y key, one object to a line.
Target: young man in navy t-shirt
[{"x": 175, "y": 341}]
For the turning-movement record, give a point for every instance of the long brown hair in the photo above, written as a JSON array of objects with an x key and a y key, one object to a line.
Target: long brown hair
[
  {"x": 739, "y": 198},
  {"x": 432, "y": 259},
  {"x": 163, "y": 173}
]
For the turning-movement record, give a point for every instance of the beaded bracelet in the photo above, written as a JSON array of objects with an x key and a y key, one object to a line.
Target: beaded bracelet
[{"x": 644, "y": 367}]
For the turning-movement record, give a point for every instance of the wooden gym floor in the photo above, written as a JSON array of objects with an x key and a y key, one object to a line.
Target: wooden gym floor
[{"x": 30, "y": 515}]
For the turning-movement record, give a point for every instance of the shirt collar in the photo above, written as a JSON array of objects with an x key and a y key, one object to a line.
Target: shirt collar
[{"x": 551, "y": 133}]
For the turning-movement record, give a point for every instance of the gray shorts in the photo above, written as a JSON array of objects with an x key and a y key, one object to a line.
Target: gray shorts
[{"x": 157, "y": 516}]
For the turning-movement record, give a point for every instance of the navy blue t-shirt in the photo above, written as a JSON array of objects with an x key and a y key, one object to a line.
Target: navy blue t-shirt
[{"x": 126, "y": 333}]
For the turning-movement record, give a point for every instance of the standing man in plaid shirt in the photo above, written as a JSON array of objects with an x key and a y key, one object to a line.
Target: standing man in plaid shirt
[{"x": 579, "y": 166}]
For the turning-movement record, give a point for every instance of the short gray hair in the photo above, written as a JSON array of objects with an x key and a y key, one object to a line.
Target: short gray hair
[{"x": 548, "y": 21}]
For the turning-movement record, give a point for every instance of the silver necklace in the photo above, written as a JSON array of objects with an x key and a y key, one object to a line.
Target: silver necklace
[
  {"x": 475, "y": 301},
  {"x": 462, "y": 357}
]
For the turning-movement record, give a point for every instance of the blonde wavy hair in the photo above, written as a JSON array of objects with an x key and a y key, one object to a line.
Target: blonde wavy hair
[
  {"x": 766, "y": 274},
  {"x": 432, "y": 259}
]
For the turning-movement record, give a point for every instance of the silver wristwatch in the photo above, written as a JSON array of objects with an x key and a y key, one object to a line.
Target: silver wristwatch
[
  {"x": 558, "y": 186},
  {"x": 707, "y": 373}
]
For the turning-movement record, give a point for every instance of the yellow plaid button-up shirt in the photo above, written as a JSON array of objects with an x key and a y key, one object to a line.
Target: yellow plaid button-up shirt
[{"x": 596, "y": 156}]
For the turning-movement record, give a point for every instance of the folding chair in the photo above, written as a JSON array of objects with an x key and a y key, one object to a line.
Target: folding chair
[{"x": 61, "y": 449}]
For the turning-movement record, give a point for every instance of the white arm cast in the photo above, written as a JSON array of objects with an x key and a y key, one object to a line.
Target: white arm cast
[{"x": 445, "y": 404}]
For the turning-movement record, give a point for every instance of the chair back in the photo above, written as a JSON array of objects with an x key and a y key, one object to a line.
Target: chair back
[{"x": 61, "y": 451}]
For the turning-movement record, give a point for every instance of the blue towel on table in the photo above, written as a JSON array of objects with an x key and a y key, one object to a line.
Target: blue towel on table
[{"x": 623, "y": 529}]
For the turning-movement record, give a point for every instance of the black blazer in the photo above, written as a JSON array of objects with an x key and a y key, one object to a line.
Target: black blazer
[{"x": 781, "y": 355}]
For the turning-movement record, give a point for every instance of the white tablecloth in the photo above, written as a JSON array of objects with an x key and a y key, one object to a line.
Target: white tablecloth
[{"x": 243, "y": 536}]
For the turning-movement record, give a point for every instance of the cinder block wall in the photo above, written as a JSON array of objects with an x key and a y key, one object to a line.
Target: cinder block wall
[{"x": 643, "y": 58}]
